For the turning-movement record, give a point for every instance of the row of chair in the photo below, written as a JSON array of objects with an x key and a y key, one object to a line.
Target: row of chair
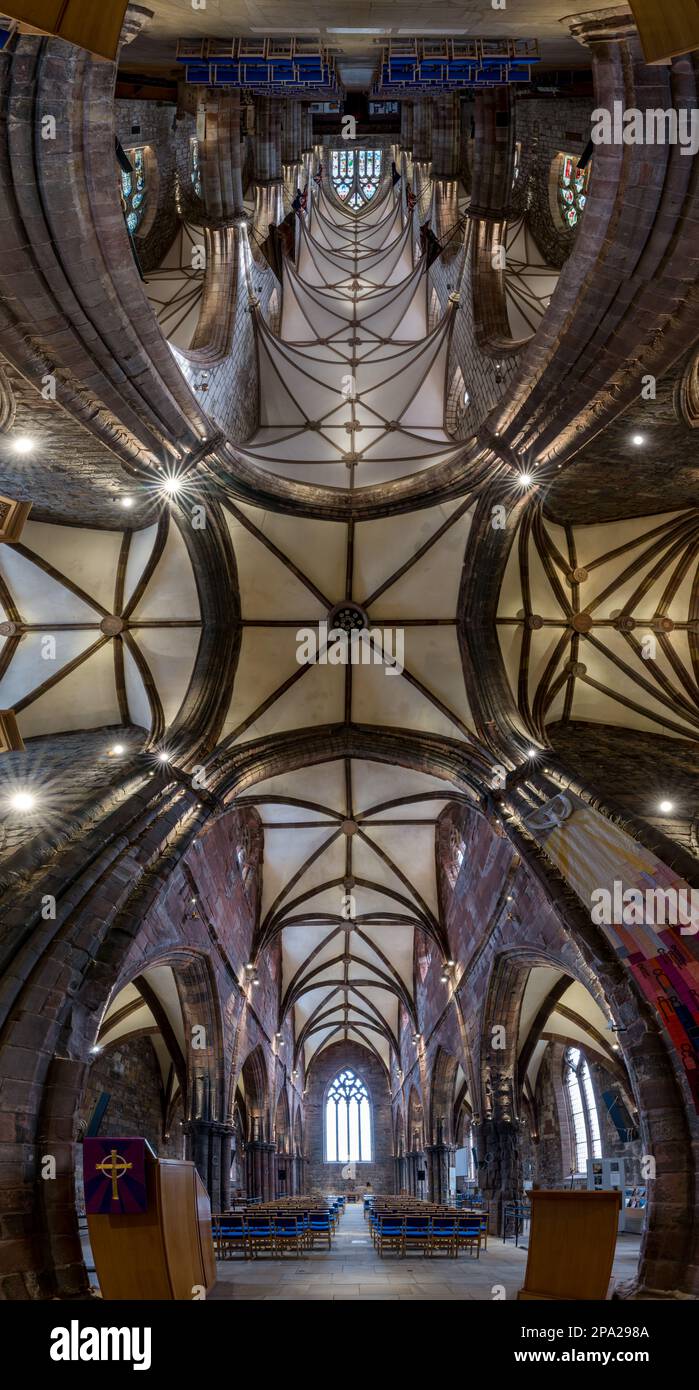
[
  {"x": 272, "y": 1232},
  {"x": 430, "y": 1232}
]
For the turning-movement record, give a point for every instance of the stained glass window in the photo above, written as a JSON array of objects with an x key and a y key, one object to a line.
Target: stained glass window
[
  {"x": 133, "y": 189},
  {"x": 194, "y": 168},
  {"x": 572, "y": 189},
  {"x": 583, "y": 1109},
  {"x": 347, "y": 1120},
  {"x": 342, "y": 171},
  {"x": 369, "y": 172},
  {"x": 356, "y": 175}
]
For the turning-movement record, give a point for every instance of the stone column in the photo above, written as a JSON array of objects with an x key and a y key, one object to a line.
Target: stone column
[
  {"x": 422, "y": 130},
  {"x": 268, "y": 140},
  {"x": 493, "y": 157},
  {"x": 499, "y": 1167},
  {"x": 445, "y": 137},
  {"x": 306, "y": 127},
  {"x": 291, "y": 131},
  {"x": 219, "y": 155},
  {"x": 438, "y": 1156},
  {"x": 406, "y": 125}
]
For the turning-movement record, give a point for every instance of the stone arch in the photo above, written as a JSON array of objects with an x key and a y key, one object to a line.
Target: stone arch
[
  {"x": 666, "y": 1251},
  {"x": 442, "y": 1088},
  {"x": 255, "y": 1074}
]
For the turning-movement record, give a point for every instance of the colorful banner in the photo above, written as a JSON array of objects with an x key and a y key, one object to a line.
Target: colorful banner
[{"x": 647, "y": 912}]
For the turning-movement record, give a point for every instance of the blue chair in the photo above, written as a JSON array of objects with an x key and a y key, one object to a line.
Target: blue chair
[
  {"x": 468, "y": 1234},
  {"x": 229, "y": 1234},
  {"x": 289, "y": 1233},
  {"x": 389, "y": 1234},
  {"x": 319, "y": 1228},
  {"x": 416, "y": 1234},
  {"x": 261, "y": 1234},
  {"x": 443, "y": 1235}
]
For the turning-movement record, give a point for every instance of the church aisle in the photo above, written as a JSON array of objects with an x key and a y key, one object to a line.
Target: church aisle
[{"x": 352, "y": 1269}]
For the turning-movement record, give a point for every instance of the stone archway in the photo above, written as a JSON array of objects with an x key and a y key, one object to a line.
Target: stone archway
[{"x": 665, "y": 1263}]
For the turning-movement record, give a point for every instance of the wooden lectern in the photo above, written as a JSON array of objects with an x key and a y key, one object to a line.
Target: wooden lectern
[
  {"x": 91, "y": 25},
  {"x": 165, "y": 1252},
  {"x": 571, "y": 1244}
]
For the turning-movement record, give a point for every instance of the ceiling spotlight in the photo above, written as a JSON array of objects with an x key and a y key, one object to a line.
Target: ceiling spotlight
[
  {"x": 126, "y": 501},
  {"x": 532, "y": 752},
  {"x": 416, "y": 1038},
  {"x": 666, "y": 807},
  {"x": 96, "y": 1048},
  {"x": 23, "y": 444},
  {"x": 172, "y": 486},
  {"x": 164, "y": 756},
  {"x": 467, "y": 398},
  {"x": 22, "y": 801},
  {"x": 638, "y": 440},
  {"x": 117, "y": 750},
  {"x": 525, "y": 480}
]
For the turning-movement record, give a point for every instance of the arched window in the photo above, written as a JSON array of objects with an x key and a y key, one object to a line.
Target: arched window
[
  {"x": 356, "y": 175},
  {"x": 369, "y": 172},
  {"x": 583, "y": 1108},
  {"x": 133, "y": 189},
  {"x": 572, "y": 189},
  {"x": 342, "y": 171},
  {"x": 347, "y": 1120}
]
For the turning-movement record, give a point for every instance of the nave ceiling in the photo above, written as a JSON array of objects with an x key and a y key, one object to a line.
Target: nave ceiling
[{"x": 353, "y": 393}]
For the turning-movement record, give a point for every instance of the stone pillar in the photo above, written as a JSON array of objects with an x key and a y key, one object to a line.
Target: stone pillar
[
  {"x": 445, "y": 136},
  {"x": 499, "y": 1167},
  {"x": 226, "y": 1137},
  {"x": 291, "y": 131},
  {"x": 438, "y": 1157},
  {"x": 209, "y": 1146},
  {"x": 422, "y": 130},
  {"x": 219, "y": 156},
  {"x": 306, "y": 127},
  {"x": 406, "y": 125},
  {"x": 268, "y": 140},
  {"x": 493, "y": 157}
]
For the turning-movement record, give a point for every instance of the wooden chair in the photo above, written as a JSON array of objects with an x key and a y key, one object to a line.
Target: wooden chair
[
  {"x": 261, "y": 1234},
  {"x": 289, "y": 1233},
  {"x": 389, "y": 1234},
  {"x": 319, "y": 1228},
  {"x": 443, "y": 1235},
  {"x": 416, "y": 1232},
  {"x": 468, "y": 1234}
]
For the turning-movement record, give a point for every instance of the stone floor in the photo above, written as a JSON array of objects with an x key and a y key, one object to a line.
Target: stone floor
[{"x": 352, "y": 1269}]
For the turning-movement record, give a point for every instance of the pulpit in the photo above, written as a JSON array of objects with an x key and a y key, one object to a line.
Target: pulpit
[
  {"x": 149, "y": 1222},
  {"x": 571, "y": 1244}
]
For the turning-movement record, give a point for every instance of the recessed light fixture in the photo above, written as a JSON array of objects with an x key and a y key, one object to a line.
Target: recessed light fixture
[
  {"x": 638, "y": 440},
  {"x": 532, "y": 752},
  {"x": 525, "y": 480},
  {"x": 172, "y": 486},
  {"x": 164, "y": 756},
  {"x": 117, "y": 750},
  {"x": 467, "y": 398},
  {"x": 126, "y": 501},
  {"x": 23, "y": 444},
  {"x": 666, "y": 807},
  {"x": 22, "y": 801}
]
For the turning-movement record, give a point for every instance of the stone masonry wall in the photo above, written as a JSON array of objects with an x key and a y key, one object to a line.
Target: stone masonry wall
[{"x": 328, "y": 1176}]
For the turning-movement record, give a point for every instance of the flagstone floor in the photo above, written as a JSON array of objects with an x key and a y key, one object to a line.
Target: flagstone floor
[{"x": 352, "y": 1269}]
